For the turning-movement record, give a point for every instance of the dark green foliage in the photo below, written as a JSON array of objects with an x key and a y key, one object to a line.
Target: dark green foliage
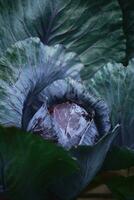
[
  {"x": 119, "y": 158},
  {"x": 28, "y": 165},
  {"x": 93, "y": 29},
  {"x": 122, "y": 187}
]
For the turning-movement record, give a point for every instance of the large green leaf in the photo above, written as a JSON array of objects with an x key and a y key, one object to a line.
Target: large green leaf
[
  {"x": 122, "y": 187},
  {"x": 26, "y": 69},
  {"x": 90, "y": 160},
  {"x": 128, "y": 25},
  {"x": 28, "y": 165},
  {"x": 119, "y": 158},
  {"x": 91, "y": 28},
  {"x": 114, "y": 83}
]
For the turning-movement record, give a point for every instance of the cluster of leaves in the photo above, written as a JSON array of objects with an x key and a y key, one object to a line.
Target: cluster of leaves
[{"x": 101, "y": 33}]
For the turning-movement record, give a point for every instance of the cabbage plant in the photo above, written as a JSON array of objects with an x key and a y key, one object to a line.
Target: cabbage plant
[{"x": 66, "y": 97}]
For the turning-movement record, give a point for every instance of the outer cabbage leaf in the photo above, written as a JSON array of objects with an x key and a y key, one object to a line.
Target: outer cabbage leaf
[
  {"x": 28, "y": 165},
  {"x": 114, "y": 83},
  {"x": 91, "y": 28},
  {"x": 121, "y": 183},
  {"x": 25, "y": 70},
  {"x": 90, "y": 160},
  {"x": 119, "y": 158},
  {"x": 122, "y": 187},
  {"x": 128, "y": 25}
]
